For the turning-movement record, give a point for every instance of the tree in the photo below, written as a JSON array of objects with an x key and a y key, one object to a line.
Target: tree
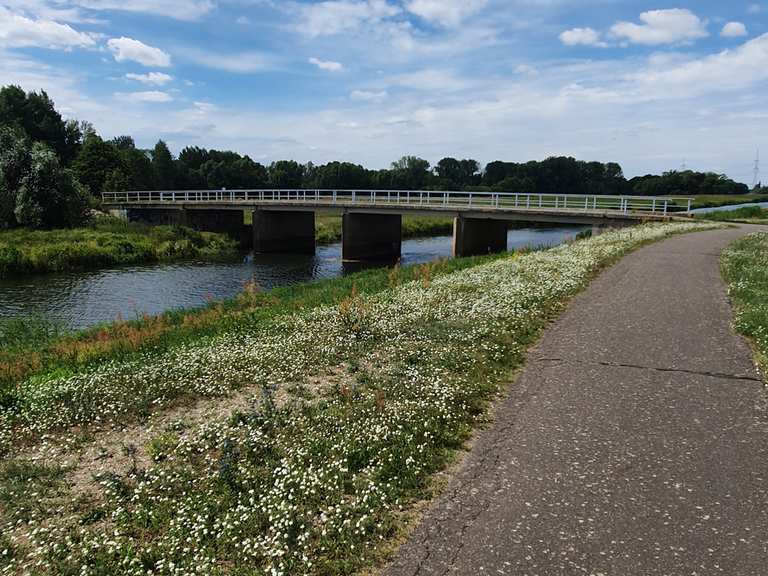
[
  {"x": 457, "y": 173},
  {"x": 286, "y": 174},
  {"x": 163, "y": 167},
  {"x": 123, "y": 143},
  {"x": 138, "y": 165},
  {"x": 49, "y": 196},
  {"x": 35, "y": 114},
  {"x": 14, "y": 162},
  {"x": 96, "y": 161},
  {"x": 411, "y": 173},
  {"x": 35, "y": 190},
  {"x": 516, "y": 184}
]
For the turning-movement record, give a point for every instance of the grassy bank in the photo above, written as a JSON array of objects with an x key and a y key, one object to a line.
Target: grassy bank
[
  {"x": 748, "y": 215},
  {"x": 328, "y": 228},
  {"x": 745, "y": 269},
  {"x": 32, "y": 347},
  {"x": 105, "y": 243},
  {"x": 351, "y": 404}
]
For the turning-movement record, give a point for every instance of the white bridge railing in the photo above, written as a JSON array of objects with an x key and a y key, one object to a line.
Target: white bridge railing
[{"x": 410, "y": 198}]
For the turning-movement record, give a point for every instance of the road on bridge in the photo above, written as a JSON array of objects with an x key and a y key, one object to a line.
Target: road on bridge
[{"x": 635, "y": 441}]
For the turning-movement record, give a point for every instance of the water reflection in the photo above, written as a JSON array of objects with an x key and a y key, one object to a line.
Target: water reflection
[{"x": 82, "y": 299}]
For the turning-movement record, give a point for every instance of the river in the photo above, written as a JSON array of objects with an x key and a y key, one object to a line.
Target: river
[
  {"x": 728, "y": 208},
  {"x": 77, "y": 300}
]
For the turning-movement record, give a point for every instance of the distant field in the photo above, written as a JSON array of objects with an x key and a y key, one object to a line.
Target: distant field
[
  {"x": 711, "y": 201},
  {"x": 747, "y": 215}
]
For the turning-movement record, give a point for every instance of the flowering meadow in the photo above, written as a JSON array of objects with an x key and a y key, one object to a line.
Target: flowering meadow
[
  {"x": 354, "y": 406},
  {"x": 745, "y": 269}
]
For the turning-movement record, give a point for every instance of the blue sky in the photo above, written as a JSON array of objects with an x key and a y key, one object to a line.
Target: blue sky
[{"x": 650, "y": 85}]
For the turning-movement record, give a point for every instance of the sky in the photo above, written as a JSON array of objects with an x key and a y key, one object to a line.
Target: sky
[{"x": 653, "y": 86}]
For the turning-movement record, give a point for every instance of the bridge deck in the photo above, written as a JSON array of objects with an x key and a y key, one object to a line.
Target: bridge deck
[{"x": 507, "y": 206}]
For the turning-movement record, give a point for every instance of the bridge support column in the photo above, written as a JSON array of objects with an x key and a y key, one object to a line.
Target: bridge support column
[
  {"x": 475, "y": 236},
  {"x": 371, "y": 237},
  {"x": 283, "y": 232}
]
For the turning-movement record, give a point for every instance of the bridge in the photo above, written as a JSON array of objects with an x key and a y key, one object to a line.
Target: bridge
[{"x": 284, "y": 220}]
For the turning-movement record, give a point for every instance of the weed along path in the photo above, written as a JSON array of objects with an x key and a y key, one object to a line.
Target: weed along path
[{"x": 633, "y": 442}]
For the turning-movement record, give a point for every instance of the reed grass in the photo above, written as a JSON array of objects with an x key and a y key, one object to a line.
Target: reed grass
[{"x": 106, "y": 242}]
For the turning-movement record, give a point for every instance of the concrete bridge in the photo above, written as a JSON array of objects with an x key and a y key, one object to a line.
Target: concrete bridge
[{"x": 284, "y": 220}]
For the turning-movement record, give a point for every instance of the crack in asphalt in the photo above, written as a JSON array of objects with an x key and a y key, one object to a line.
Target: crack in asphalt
[{"x": 710, "y": 374}]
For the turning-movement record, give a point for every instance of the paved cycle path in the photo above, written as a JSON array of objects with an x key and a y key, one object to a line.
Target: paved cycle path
[{"x": 634, "y": 442}]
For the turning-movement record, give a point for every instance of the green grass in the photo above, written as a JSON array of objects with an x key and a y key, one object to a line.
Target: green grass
[
  {"x": 315, "y": 483},
  {"x": 32, "y": 347},
  {"x": 713, "y": 201},
  {"x": 328, "y": 228},
  {"x": 748, "y": 214},
  {"x": 31, "y": 331},
  {"x": 107, "y": 242},
  {"x": 745, "y": 270},
  {"x": 24, "y": 487}
]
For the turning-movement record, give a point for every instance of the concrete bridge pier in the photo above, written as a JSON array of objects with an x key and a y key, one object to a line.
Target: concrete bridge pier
[
  {"x": 476, "y": 236},
  {"x": 283, "y": 232},
  {"x": 371, "y": 237}
]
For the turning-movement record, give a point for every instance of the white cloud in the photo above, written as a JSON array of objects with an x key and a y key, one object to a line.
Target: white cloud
[
  {"x": 445, "y": 12},
  {"x": 236, "y": 63},
  {"x": 129, "y": 49},
  {"x": 728, "y": 70},
  {"x": 45, "y": 10},
  {"x": 581, "y": 37},
  {"x": 734, "y": 30},
  {"x": 429, "y": 80},
  {"x": 338, "y": 16},
  {"x": 327, "y": 65},
  {"x": 154, "y": 96},
  {"x": 18, "y": 31},
  {"x": 369, "y": 96},
  {"x": 526, "y": 70},
  {"x": 754, "y": 8},
  {"x": 152, "y": 79},
  {"x": 662, "y": 27},
  {"x": 178, "y": 9}
]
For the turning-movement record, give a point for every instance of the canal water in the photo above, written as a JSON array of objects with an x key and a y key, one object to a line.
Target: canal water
[{"x": 78, "y": 300}]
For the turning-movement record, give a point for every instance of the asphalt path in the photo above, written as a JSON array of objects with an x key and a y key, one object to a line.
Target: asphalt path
[{"x": 634, "y": 442}]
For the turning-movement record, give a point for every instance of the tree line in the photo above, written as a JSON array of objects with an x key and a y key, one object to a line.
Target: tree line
[{"x": 52, "y": 169}]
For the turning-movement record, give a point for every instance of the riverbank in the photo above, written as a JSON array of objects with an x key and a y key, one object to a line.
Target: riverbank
[
  {"x": 111, "y": 242},
  {"x": 328, "y": 228},
  {"x": 106, "y": 242},
  {"x": 745, "y": 215},
  {"x": 714, "y": 201},
  {"x": 32, "y": 346},
  {"x": 745, "y": 271},
  {"x": 291, "y": 442}
]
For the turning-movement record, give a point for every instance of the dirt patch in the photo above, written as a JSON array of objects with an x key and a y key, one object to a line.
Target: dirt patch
[{"x": 88, "y": 454}]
